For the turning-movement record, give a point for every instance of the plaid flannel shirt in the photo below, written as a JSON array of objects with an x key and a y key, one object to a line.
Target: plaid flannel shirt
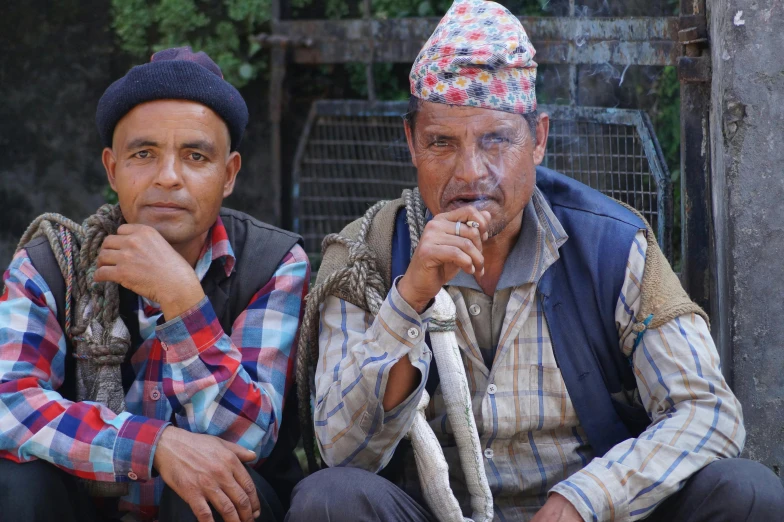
[
  {"x": 529, "y": 430},
  {"x": 232, "y": 387}
]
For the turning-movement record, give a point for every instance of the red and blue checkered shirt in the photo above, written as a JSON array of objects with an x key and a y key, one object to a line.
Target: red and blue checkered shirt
[{"x": 228, "y": 386}]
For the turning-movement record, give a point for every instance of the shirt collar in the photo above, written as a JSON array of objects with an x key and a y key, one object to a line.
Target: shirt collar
[
  {"x": 216, "y": 248},
  {"x": 536, "y": 249}
]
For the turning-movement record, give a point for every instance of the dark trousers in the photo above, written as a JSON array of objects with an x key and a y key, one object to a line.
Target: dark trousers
[
  {"x": 730, "y": 490},
  {"x": 40, "y": 492}
]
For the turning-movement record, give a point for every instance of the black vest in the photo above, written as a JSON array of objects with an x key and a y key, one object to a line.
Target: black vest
[{"x": 258, "y": 249}]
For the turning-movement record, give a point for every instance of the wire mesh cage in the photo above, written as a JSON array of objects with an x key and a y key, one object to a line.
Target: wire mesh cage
[{"x": 353, "y": 153}]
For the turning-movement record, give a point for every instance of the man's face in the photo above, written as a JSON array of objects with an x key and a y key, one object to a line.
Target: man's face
[
  {"x": 473, "y": 156},
  {"x": 171, "y": 166}
]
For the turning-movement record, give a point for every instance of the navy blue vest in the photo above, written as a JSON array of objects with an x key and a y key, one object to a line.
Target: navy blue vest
[{"x": 578, "y": 295}]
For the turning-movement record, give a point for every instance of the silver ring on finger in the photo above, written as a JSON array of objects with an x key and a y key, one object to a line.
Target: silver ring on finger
[{"x": 457, "y": 228}]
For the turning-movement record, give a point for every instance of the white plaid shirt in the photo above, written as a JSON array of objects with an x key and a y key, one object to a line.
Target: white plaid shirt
[{"x": 533, "y": 442}]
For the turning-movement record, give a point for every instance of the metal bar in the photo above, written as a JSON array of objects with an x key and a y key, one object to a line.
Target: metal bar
[
  {"x": 662, "y": 174},
  {"x": 296, "y": 176},
  {"x": 559, "y": 40},
  {"x": 697, "y": 255}
]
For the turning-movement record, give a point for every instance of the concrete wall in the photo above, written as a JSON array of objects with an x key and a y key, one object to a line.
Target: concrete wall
[
  {"x": 56, "y": 59},
  {"x": 747, "y": 146}
]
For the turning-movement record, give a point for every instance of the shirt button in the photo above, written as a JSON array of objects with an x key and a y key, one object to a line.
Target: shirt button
[
  {"x": 413, "y": 333},
  {"x": 491, "y": 389},
  {"x": 133, "y": 476},
  {"x": 155, "y": 394},
  {"x": 474, "y": 309},
  {"x": 489, "y": 453}
]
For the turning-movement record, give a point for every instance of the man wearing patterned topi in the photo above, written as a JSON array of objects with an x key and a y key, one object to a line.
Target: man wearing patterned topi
[{"x": 587, "y": 384}]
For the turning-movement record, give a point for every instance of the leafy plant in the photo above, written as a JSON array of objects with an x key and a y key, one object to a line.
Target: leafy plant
[{"x": 224, "y": 29}]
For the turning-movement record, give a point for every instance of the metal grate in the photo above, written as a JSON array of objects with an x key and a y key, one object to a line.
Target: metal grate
[{"x": 353, "y": 153}]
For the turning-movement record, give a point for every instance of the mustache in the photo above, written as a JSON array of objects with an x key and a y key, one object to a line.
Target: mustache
[
  {"x": 480, "y": 191},
  {"x": 166, "y": 200}
]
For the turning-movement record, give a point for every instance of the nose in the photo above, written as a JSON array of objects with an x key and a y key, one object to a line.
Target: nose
[
  {"x": 471, "y": 166},
  {"x": 169, "y": 175}
]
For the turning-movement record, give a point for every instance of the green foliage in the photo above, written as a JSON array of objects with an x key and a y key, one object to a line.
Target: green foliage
[
  {"x": 109, "y": 195},
  {"x": 666, "y": 119},
  {"x": 221, "y": 28}
]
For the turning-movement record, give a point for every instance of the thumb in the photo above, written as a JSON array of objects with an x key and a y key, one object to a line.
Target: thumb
[{"x": 244, "y": 454}]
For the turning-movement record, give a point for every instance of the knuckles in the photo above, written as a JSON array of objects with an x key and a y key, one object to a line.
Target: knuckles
[
  {"x": 202, "y": 512},
  {"x": 226, "y": 507}
]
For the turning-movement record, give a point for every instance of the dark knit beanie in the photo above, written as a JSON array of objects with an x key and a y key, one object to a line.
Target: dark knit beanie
[{"x": 173, "y": 74}]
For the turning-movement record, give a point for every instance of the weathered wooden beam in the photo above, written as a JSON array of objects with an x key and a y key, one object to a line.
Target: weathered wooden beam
[{"x": 620, "y": 41}]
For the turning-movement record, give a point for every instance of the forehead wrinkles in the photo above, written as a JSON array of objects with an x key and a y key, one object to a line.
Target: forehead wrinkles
[{"x": 183, "y": 119}]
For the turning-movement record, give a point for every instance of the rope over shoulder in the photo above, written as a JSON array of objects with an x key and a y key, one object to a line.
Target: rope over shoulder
[
  {"x": 361, "y": 282},
  {"x": 362, "y": 278},
  {"x": 92, "y": 311}
]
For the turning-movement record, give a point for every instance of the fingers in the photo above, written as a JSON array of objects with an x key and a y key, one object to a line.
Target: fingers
[
  {"x": 113, "y": 242},
  {"x": 244, "y": 481},
  {"x": 244, "y": 454},
  {"x": 107, "y": 273},
  {"x": 108, "y": 257},
  {"x": 223, "y": 504},
  {"x": 467, "y": 246},
  {"x": 444, "y": 254},
  {"x": 240, "y": 499},
  {"x": 201, "y": 510},
  {"x": 467, "y": 213},
  {"x": 447, "y": 228}
]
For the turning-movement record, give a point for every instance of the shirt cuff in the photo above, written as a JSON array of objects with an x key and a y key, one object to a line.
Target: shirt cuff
[
  {"x": 134, "y": 448},
  {"x": 399, "y": 326},
  {"x": 190, "y": 333},
  {"x": 596, "y": 493}
]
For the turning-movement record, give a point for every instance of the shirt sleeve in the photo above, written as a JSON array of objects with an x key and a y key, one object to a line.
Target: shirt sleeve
[
  {"x": 356, "y": 353},
  {"x": 234, "y": 386},
  {"x": 695, "y": 418},
  {"x": 36, "y": 422}
]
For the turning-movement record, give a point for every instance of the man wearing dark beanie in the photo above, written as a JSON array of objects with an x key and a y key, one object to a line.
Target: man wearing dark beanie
[{"x": 146, "y": 355}]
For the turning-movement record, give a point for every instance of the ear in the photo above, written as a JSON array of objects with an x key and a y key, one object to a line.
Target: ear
[
  {"x": 233, "y": 166},
  {"x": 109, "y": 164},
  {"x": 542, "y": 130},
  {"x": 410, "y": 141}
]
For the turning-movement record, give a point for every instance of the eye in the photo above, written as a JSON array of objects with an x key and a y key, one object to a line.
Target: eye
[
  {"x": 195, "y": 156},
  {"x": 142, "y": 154},
  {"x": 495, "y": 140},
  {"x": 439, "y": 143}
]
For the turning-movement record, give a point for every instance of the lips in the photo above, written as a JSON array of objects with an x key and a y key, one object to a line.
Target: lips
[
  {"x": 470, "y": 199},
  {"x": 166, "y": 207}
]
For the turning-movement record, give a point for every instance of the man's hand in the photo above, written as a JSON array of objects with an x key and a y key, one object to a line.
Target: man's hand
[
  {"x": 557, "y": 509},
  {"x": 204, "y": 469},
  {"x": 141, "y": 260},
  {"x": 441, "y": 255}
]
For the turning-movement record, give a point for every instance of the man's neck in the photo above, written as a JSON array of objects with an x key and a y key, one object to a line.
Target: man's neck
[
  {"x": 191, "y": 250},
  {"x": 495, "y": 251}
]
